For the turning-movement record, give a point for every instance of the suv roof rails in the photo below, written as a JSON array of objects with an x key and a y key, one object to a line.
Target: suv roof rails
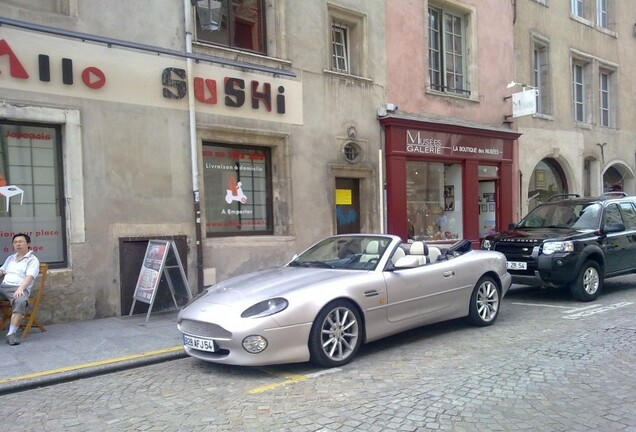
[
  {"x": 560, "y": 196},
  {"x": 614, "y": 194}
]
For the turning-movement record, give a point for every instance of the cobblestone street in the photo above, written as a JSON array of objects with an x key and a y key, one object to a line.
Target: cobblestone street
[{"x": 549, "y": 364}]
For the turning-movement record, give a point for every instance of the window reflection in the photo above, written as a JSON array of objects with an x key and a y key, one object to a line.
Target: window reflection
[{"x": 434, "y": 196}]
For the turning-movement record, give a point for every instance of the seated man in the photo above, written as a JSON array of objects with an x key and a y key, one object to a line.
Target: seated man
[{"x": 17, "y": 275}]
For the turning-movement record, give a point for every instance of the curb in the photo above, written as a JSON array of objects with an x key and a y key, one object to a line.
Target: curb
[{"x": 87, "y": 370}]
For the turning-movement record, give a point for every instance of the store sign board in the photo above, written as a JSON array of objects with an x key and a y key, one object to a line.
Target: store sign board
[
  {"x": 524, "y": 103},
  {"x": 44, "y": 64},
  {"x": 436, "y": 144}
]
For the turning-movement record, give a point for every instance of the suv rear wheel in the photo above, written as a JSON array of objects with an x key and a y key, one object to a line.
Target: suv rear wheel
[{"x": 589, "y": 282}]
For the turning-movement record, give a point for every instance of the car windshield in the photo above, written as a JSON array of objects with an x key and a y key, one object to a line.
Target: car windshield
[
  {"x": 344, "y": 252},
  {"x": 582, "y": 216}
]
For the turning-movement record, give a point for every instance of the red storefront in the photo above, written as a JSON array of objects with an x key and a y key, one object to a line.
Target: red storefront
[{"x": 447, "y": 181}]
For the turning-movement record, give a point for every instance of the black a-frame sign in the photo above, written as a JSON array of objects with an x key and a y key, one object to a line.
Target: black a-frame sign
[{"x": 161, "y": 259}]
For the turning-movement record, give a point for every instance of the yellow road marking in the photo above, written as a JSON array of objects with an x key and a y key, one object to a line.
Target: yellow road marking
[
  {"x": 91, "y": 364},
  {"x": 291, "y": 379}
]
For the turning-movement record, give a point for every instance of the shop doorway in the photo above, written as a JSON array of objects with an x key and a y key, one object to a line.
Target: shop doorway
[
  {"x": 487, "y": 207},
  {"x": 347, "y": 205}
]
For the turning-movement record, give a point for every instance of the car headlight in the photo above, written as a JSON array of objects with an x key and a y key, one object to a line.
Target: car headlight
[
  {"x": 562, "y": 246},
  {"x": 486, "y": 244},
  {"x": 265, "y": 308}
]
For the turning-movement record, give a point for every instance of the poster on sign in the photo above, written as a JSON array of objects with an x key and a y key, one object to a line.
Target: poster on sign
[{"x": 161, "y": 257}]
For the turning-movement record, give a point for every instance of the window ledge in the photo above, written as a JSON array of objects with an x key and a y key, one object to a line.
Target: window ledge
[
  {"x": 542, "y": 116},
  {"x": 582, "y": 125},
  {"x": 347, "y": 76},
  {"x": 234, "y": 54},
  {"x": 582, "y": 20},
  {"x": 607, "y": 31},
  {"x": 451, "y": 95}
]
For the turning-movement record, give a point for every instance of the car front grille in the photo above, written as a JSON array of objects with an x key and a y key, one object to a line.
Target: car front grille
[
  {"x": 520, "y": 251},
  {"x": 203, "y": 329}
]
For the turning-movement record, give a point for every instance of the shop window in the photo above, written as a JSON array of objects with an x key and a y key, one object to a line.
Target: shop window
[
  {"x": 31, "y": 193},
  {"x": 541, "y": 76},
  {"x": 547, "y": 180},
  {"x": 237, "y": 183},
  {"x": 347, "y": 35},
  {"x": 447, "y": 48},
  {"x": 236, "y": 24},
  {"x": 434, "y": 200}
]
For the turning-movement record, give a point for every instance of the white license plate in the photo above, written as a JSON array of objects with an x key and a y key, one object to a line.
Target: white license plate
[
  {"x": 199, "y": 344},
  {"x": 516, "y": 265}
]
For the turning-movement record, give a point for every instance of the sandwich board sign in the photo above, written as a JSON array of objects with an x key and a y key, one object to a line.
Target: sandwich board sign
[{"x": 161, "y": 259}]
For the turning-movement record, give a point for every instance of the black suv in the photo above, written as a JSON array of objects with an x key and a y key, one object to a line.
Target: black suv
[{"x": 573, "y": 242}]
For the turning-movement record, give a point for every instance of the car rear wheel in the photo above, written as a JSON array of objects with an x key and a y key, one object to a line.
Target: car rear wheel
[
  {"x": 335, "y": 335},
  {"x": 589, "y": 282},
  {"x": 484, "y": 302}
]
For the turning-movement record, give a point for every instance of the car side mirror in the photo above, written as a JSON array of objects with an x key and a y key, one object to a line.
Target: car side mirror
[
  {"x": 614, "y": 227},
  {"x": 512, "y": 226}
]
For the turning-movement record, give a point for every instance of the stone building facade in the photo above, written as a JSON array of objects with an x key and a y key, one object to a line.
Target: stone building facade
[
  {"x": 579, "y": 56},
  {"x": 242, "y": 130}
]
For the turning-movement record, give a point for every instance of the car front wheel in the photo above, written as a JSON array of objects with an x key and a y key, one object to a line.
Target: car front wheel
[
  {"x": 335, "y": 335},
  {"x": 484, "y": 302},
  {"x": 589, "y": 282}
]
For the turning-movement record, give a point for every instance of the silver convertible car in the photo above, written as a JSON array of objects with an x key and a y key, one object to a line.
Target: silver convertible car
[{"x": 341, "y": 292}]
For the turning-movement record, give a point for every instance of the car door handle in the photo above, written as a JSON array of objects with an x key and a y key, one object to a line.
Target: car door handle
[{"x": 448, "y": 274}]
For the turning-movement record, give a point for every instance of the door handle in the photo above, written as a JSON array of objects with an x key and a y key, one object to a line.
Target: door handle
[{"x": 448, "y": 274}]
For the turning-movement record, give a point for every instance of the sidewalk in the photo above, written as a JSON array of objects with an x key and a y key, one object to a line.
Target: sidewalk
[{"x": 85, "y": 348}]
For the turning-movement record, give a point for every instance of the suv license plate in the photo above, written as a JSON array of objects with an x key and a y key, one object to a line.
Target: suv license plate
[
  {"x": 516, "y": 265},
  {"x": 199, "y": 344}
]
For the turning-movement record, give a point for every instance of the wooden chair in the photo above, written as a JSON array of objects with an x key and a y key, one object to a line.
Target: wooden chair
[{"x": 35, "y": 298}]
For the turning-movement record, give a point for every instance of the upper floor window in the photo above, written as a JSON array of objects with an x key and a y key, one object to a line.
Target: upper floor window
[
  {"x": 605, "y": 101},
  {"x": 577, "y": 8},
  {"x": 541, "y": 74},
  {"x": 578, "y": 91},
  {"x": 590, "y": 10},
  {"x": 601, "y": 13},
  {"x": 233, "y": 23},
  {"x": 339, "y": 48},
  {"x": 347, "y": 38},
  {"x": 447, "y": 51}
]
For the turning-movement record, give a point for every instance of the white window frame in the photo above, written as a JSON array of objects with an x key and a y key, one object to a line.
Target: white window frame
[
  {"x": 605, "y": 77},
  {"x": 340, "y": 47},
  {"x": 602, "y": 14},
  {"x": 578, "y": 8},
  {"x": 353, "y": 28},
  {"x": 541, "y": 75},
  {"x": 578, "y": 91},
  {"x": 439, "y": 51}
]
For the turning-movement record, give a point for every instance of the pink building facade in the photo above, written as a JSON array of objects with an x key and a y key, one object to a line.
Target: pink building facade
[{"x": 450, "y": 144}]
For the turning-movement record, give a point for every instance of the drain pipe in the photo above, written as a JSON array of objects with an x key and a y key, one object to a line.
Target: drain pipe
[{"x": 194, "y": 150}]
